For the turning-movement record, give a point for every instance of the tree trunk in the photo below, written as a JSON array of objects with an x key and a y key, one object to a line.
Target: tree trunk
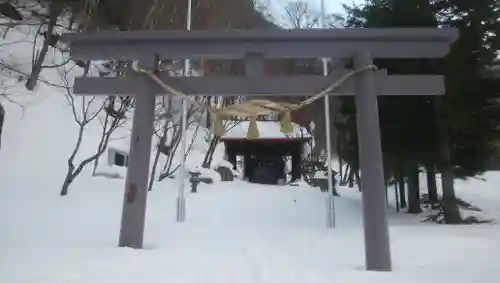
[
  {"x": 358, "y": 179},
  {"x": 339, "y": 153},
  {"x": 343, "y": 180},
  {"x": 450, "y": 208},
  {"x": 71, "y": 167},
  {"x": 54, "y": 10},
  {"x": 386, "y": 184},
  {"x": 68, "y": 179},
  {"x": 162, "y": 141},
  {"x": 396, "y": 196},
  {"x": 65, "y": 187},
  {"x": 402, "y": 189},
  {"x": 413, "y": 189},
  {"x": 207, "y": 161},
  {"x": 169, "y": 172},
  {"x": 174, "y": 144},
  {"x": 431, "y": 184},
  {"x": 74, "y": 171},
  {"x": 94, "y": 167},
  {"x": 208, "y": 122},
  {"x": 103, "y": 137},
  {"x": 153, "y": 169},
  {"x": 350, "y": 179},
  {"x": 341, "y": 167}
]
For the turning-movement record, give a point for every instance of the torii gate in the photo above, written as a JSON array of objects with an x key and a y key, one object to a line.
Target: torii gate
[{"x": 255, "y": 46}]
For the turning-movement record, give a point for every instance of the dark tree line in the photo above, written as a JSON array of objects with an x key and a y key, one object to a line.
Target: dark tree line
[{"x": 455, "y": 135}]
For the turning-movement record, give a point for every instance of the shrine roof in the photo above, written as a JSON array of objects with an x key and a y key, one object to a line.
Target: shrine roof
[{"x": 268, "y": 131}]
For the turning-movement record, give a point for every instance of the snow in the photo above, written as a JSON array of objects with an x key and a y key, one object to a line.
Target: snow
[
  {"x": 234, "y": 232},
  {"x": 267, "y": 130},
  {"x": 224, "y": 163}
]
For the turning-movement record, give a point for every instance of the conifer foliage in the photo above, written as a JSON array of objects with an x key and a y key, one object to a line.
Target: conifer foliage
[{"x": 456, "y": 134}]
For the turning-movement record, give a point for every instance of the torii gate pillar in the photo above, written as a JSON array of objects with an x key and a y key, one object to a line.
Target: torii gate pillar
[
  {"x": 376, "y": 228},
  {"x": 136, "y": 190}
]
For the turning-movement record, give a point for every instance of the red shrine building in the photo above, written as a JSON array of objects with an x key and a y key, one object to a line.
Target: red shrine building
[{"x": 264, "y": 159}]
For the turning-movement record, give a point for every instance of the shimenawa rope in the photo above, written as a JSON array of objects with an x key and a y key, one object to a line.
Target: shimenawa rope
[{"x": 252, "y": 109}]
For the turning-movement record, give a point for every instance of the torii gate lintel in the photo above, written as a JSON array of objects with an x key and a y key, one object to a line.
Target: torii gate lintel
[{"x": 297, "y": 85}]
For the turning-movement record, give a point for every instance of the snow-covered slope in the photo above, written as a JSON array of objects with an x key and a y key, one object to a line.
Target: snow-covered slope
[{"x": 235, "y": 232}]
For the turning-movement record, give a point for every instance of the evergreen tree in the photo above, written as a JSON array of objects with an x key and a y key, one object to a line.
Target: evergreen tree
[
  {"x": 470, "y": 110},
  {"x": 469, "y": 113},
  {"x": 472, "y": 106},
  {"x": 406, "y": 122}
]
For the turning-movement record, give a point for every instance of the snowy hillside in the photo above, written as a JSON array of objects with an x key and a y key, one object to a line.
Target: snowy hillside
[{"x": 234, "y": 232}]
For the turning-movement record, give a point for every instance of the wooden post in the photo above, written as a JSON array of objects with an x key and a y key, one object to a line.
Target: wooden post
[{"x": 136, "y": 182}]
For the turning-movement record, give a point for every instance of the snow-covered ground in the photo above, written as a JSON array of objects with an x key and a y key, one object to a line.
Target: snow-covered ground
[{"x": 235, "y": 232}]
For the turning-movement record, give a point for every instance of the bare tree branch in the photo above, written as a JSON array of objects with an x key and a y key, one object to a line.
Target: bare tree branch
[
  {"x": 302, "y": 14},
  {"x": 83, "y": 115}
]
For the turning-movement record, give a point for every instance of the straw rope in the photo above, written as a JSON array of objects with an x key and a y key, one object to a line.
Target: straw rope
[{"x": 252, "y": 109}]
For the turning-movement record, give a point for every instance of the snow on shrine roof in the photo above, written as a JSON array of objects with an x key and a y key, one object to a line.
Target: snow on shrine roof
[{"x": 267, "y": 130}]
